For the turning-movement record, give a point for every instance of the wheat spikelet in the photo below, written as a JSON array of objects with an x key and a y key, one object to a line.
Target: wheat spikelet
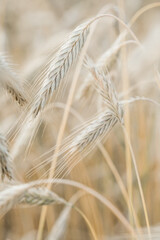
[
  {"x": 5, "y": 164},
  {"x": 16, "y": 95},
  {"x": 60, "y": 65},
  {"x": 10, "y": 81}
]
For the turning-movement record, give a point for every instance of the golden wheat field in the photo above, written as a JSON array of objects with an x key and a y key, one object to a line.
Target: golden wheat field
[{"x": 79, "y": 120}]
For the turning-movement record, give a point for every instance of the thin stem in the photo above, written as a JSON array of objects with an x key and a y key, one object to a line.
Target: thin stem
[
  {"x": 87, "y": 221},
  {"x": 119, "y": 182},
  {"x": 143, "y": 10},
  {"x": 137, "y": 98},
  {"x": 125, "y": 85},
  {"x": 138, "y": 180}
]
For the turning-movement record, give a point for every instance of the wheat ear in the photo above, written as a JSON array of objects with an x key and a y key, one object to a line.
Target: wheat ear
[
  {"x": 63, "y": 61},
  {"x": 99, "y": 127},
  {"x": 60, "y": 65},
  {"x": 40, "y": 196},
  {"x": 10, "y": 81},
  {"x": 5, "y": 164},
  {"x": 25, "y": 194},
  {"x": 105, "y": 63}
]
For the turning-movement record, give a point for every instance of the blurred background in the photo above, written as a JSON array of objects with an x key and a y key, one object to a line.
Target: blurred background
[{"x": 30, "y": 32}]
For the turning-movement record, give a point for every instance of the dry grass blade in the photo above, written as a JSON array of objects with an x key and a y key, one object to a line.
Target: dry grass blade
[
  {"x": 5, "y": 164},
  {"x": 10, "y": 81}
]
